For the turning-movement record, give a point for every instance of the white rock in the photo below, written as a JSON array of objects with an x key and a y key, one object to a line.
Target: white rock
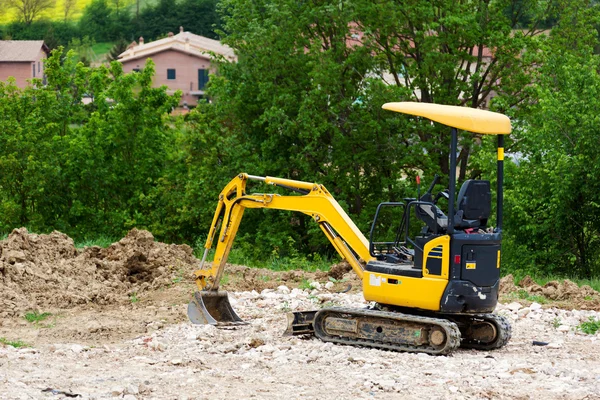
[
  {"x": 315, "y": 285},
  {"x": 387, "y": 384},
  {"x": 563, "y": 328},
  {"x": 535, "y": 307},
  {"x": 523, "y": 312},
  {"x": 176, "y": 361},
  {"x": 328, "y": 285},
  {"x": 271, "y": 295},
  {"x": 28, "y": 350},
  {"x": 283, "y": 289},
  {"x": 132, "y": 389},
  {"x": 514, "y": 306},
  {"x": 77, "y": 348},
  {"x": 267, "y": 349},
  {"x": 117, "y": 391},
  {"x": 157, "y": 345}
]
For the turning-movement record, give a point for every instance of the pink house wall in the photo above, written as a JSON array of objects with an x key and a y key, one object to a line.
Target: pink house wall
[
  {"x": 22, "y": 71},
  {"x": 186, "y": 72}
]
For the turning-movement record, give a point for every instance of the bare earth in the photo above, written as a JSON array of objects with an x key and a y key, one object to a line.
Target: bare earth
[{"x": 118, "y": 329}]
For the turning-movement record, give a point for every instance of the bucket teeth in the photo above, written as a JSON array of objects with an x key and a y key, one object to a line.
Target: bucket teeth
[{"x": 212, "y": 308}]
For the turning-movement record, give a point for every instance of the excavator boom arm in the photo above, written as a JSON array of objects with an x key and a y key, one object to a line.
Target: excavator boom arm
[{"x": 315, "y": 201}]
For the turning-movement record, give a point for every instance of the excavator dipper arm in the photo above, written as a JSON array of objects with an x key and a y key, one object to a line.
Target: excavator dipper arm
[{"x": 315, "y": 201}]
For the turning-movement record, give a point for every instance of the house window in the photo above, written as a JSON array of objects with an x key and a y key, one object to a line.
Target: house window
[
  {"x": 34, "y": 70},
  {"x": 38, "y": 66},
  {"x": 171, "y": 74},
  {"x": 136, "y": 70},
  {"x": 202, "y": 78}
]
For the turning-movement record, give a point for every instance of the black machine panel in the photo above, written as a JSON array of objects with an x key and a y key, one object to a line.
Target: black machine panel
[{"x": 480, "y": 263}]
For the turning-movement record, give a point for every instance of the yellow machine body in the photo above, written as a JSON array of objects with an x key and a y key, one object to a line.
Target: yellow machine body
[
  {"x": 424, "y": 293},
  {"x": 427, "y": 291}
]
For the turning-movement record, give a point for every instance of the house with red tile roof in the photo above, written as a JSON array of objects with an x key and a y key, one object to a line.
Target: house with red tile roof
[
  {"x": 182, "y": 62},
  {"x": 22, "y": 59}
]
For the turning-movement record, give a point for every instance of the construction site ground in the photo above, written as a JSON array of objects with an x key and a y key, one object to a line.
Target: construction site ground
[{"x": 111, "y": 323}]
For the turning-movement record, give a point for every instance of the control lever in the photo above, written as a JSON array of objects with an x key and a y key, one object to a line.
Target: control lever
[{"x": 427, "y": 195}]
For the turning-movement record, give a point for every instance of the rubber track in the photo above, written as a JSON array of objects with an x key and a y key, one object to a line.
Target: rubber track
[
  {"x": 450, "y": 328},
  {"x": 503, "y": 328}
]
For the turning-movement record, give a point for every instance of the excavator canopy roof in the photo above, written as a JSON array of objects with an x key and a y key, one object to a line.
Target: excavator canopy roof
[{"x": 468, "y": 119}]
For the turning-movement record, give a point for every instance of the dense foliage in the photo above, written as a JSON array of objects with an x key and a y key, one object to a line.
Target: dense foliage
[
  {"x": 103, "y": 21},
  {"x": 82, "y": 169},
  {"x": 303, "y": 101}
]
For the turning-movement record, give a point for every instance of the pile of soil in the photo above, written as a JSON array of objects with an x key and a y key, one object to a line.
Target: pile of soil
[
  {"x": 554, "y": 290},
  {"x": 583, "y": 297},
  {"x": 507, "y": 285},
  {"x": 44, "y": 272}
]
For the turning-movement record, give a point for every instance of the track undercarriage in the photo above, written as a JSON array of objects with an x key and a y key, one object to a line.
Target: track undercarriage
[{"x": 391, "y": 330}]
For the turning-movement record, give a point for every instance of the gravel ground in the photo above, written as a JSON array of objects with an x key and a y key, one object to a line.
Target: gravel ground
[{"x": 182, "y": 361}]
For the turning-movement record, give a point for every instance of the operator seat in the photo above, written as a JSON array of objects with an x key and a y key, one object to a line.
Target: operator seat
[
  {"x": 474, "y": 204},
  {"x": 432, "y": 215}
]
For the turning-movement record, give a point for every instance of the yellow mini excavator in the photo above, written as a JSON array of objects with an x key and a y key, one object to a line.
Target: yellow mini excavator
[{"x": 431, "y": 293}]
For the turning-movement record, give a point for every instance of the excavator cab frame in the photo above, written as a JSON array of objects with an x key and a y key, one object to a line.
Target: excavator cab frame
[
  {"x": 432, "y": 303},
  {"x": 455, "y": 266}
]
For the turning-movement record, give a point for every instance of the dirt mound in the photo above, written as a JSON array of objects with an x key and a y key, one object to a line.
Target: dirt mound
[
  {"x": 338, "y": 270},
  {"x": 555, "y": 290},
  {"x": 507, "y": 284},
  {"x": 566, "y": 294},
  {"x": 39, "y": 272}
]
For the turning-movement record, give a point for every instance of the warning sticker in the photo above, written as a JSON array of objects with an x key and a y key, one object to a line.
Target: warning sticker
[
  {"x": 471, "y": 265},
  {"x": 374, "y": 280}
]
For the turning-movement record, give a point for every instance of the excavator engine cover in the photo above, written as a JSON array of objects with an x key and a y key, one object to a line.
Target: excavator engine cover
[{"x": 210, "y": 307}]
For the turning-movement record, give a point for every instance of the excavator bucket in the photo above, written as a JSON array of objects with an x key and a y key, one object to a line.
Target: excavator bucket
[{"x": 210, "y": 307}]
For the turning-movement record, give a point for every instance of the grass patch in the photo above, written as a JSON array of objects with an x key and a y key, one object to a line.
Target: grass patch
[
  {"x": 281, "y": 263},
  {"x": 590, "y": 327},
  {"x": 305, "y": 284},
  {"x": 556, "y": 322},
  {"x": 274, "y": 263},
  {"x": 525, "y": 295},
  {"x": 100, "y": 241},
  {"x": 101, "y": 50},
  {"x": 133, "y": 298},
  {"x": 225, "y": 279},
  {"x": 16, "y": 343},
  {"x": 35, "y": 317}
]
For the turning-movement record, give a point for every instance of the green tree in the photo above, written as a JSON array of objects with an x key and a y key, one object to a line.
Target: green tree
[
  {"x": 28, "y": 10},
  {"x": 118, "y": 155},
  {"x": 200, "y": 17},
  {"x": 457, "y": 53},
  {"x": 27, "y": 162},
  {"x": 83, "y": 169},
  {"x": 83, "y": 49},
  {"x": 552, "y": 219},
  {"x": 117, "y": 49},
  {"x": 304, "y": 99},
  {"x": 97, "y": 21}
]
